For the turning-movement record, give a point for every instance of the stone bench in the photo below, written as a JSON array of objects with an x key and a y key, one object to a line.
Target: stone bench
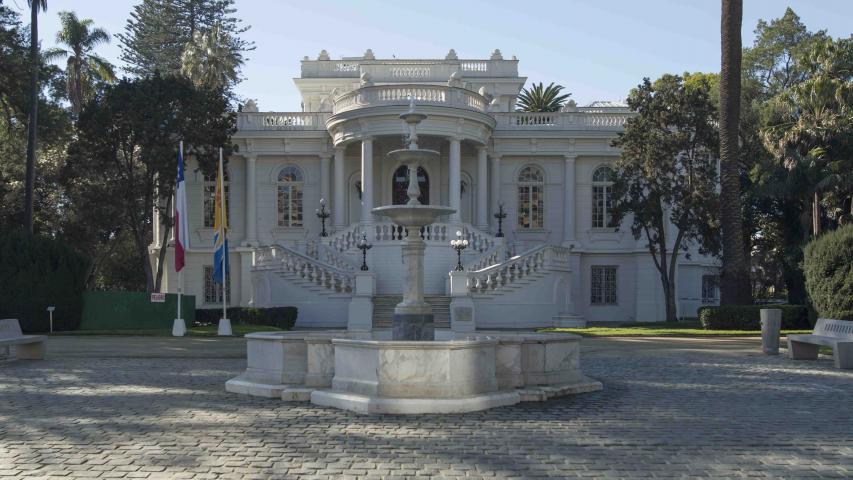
[
  {"x": 837, "y": 334},
  {"x": 30, "y": 347}
]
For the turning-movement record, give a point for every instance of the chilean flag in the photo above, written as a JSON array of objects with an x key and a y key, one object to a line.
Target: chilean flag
[{"x": 182, "y": 237}]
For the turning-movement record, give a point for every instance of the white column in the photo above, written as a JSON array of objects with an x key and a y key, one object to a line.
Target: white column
[
  {"x": 569, "y": 199},
  {"x": 251, "y": 201},
  {"x": 325, "y": 164},
  {"x": 367, "y": 180},
  {"x": 496, "y": 187},
  {"x": 339, "y": 189},
  {"x": 482, "y": 188},
  {"x": 455, "y": 186}
]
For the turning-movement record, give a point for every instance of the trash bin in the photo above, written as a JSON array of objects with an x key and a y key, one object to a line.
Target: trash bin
[{"x": 771, "y": 326}]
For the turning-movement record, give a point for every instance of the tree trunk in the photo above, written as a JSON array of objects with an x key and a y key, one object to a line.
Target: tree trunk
[
  {"x": 816, "y": 214},
  {"x": 735, "y": 284},
  {"x": 33, "y": 120}
]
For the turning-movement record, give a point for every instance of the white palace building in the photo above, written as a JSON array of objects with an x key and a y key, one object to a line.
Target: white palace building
[{"x": 561, "y": 261}]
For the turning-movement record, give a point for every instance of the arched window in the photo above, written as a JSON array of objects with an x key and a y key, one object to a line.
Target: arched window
[
  {"x": 531, "y": 198},
  {"x": 290, "y": 182},
  {"x": 209, "y": 193},
  {"x": 401, "y": 185},
  {"x": 602, "y": 190}
]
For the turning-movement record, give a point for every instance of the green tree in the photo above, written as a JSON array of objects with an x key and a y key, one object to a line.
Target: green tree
[
  {"x": 158, "y": 31},
  {"x": 83, "y": 68},
  {"x": 209, "y": 61},
  {"x": 542, "y": 99},
  {"x": 32, "y": 139},
  {"x": 124, "y": 160},
  {"x": 667, "y": 174}
]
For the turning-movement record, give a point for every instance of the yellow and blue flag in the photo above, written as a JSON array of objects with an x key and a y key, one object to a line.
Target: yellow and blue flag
[{"x": 220, "y": 229}]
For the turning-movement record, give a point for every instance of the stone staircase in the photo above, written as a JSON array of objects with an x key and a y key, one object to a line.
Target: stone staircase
[{"x": 383, "y": 309}]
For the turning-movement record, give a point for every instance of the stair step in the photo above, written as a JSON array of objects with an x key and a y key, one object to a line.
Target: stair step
[{"x": 383, "y": 309}]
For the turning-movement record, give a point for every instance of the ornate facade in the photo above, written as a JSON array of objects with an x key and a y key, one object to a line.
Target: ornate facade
[{"x": 561, "y": 259}]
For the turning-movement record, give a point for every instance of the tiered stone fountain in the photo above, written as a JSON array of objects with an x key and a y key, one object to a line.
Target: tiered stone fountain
[
  {"x": 413, "y": 318},
  {"x": 410, "y": 371}
]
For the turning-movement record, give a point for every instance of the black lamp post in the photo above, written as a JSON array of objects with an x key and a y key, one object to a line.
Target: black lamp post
[
  {"x": 500, "y": 216},
  {"x": 459, "y": 244},
  {"x": 364, "y": 247},
  {"x": 323, "y": 214}
]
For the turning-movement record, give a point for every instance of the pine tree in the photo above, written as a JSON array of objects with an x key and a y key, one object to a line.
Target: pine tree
[{"x": 159, "y": 30}]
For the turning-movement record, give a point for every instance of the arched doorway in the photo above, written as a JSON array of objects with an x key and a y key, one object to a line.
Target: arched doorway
[{"x": 401, "y": 184}]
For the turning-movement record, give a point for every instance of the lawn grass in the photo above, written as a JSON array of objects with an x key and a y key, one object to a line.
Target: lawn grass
[
  {"x": 660, "y": 329},
  {"x": 205, "y": 331}
]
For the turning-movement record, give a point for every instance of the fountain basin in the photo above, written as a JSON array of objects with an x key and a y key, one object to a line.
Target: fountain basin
[
  {"x": 457, "y": 373},
  {"x": 413, "y": 215}
]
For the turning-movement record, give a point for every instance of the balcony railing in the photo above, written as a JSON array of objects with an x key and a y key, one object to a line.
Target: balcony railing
[
  {"x": 281, "y": 121},
  {"x": 382, "y": 95},
  {"x": 421, "y": 70},
  {"x": 579, "y": 120}
]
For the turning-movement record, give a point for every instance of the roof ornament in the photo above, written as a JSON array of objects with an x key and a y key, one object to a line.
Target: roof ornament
[
  {"x": 366, "y": 79},
  {"x": 324, "y": 55},
  {"x": 451, "y": 55},
  {"x": 251, "y": 106},
  {"x": 368, "y": 55},
  {"x": 455, "y": 79},
  {"x": 497, "y": 55},
  {"x": 570, "y": 106}
]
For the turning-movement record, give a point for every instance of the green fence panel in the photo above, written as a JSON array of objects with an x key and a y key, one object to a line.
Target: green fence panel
[{"x": 133, "y": 311}]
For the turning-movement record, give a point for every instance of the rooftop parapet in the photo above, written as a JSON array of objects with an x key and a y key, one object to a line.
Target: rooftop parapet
[{"x": 395, "y": 70}]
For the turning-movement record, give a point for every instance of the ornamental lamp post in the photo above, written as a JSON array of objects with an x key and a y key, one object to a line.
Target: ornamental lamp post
[
  {"x": 364, "y": 247},
  {"x": 459, "y": 244},
  {"x": 323, "y": 214},
  {"x": 500, "y": 216}
]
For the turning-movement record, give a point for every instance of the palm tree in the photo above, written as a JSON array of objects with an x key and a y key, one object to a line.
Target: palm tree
[
  {"x": 35, "y": 6},
  {"x": 735, "y": 285},
  {"x": 83, "y": 68},
  {"x": 539, "y": 99},
  {"x": 209, "y": 59}
]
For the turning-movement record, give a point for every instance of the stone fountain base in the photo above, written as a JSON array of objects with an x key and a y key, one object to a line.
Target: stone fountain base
[
  {"x": 457, "y": 373},
  {"x": 413, "y": 326}
]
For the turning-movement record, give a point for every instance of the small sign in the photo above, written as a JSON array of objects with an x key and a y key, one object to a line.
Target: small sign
[
  {"x": 51, "y": 308},
  {"x": 158, "y": 298}
]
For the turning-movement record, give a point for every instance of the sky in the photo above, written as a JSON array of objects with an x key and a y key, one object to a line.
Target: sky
[{"x": 597, "y": 49}]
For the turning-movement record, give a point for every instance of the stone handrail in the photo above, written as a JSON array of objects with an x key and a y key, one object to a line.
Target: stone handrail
[
  {"x": 433, "y": 70},
  {"x": 521, "y": 266},
  {"x": 493, "y": 256},
  {"x": 579, "y": 120},
  {"x": 382, "y": 95},
  {"x": 387, "y": 232},
  {"x": 315, "y": 271},
  {"x": 281, "y": 121}
]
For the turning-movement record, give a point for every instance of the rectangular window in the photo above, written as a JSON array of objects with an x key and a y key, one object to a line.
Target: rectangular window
[
  {"x": 213, "y": 291},
  {"x": 530, "y": 206},
  {"x": 209, "y": 202},
  {"x": 601, "y": 206},
  {"x": 290, "y": 205},
  {"x": 710, "y": 289},
  {"x": 603, "y": 285}
]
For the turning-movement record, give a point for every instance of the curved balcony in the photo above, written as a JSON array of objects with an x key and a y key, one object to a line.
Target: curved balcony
[{"x": 393, "y": 95}]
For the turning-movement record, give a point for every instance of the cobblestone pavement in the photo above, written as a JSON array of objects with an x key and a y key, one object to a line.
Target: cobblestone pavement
[{"x": 700, "y": 408}]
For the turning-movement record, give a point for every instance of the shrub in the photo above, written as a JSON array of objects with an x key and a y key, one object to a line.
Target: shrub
[
  {"x": 280, "y": 317},
  {"x": 748, "y": 317},
  {"x": 36, "y": 272},
  {"x": 828, "y": 268}
]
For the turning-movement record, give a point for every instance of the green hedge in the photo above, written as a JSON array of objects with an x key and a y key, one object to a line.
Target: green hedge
[
  {"x": 828, "y": 268},
  {"x": 133, "y": 311},
  {"x": 281, "y": 317},
  {"x": 748, "y": 317},
  {"x": 36, "y": 272}
]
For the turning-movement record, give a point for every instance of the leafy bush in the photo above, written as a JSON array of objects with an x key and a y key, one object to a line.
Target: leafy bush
[
  {"x": 748, "y": 317},
  {"x": 828, "y": 267},
  {"x": 36, "y": 272},
  {"x": 280, "y": 317}
]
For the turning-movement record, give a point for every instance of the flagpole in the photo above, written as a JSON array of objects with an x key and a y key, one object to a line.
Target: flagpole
[
  {"x": 175, "y": 205},
  {"x": 224, "y": 322}
]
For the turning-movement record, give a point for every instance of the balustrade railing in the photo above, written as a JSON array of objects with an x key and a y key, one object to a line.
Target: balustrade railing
[
  {"x": 507, "y": 272},
  {"x": 382, "y": 95},
  {"x": 282, "y": 120},
  {"x": 579, "y": 120},
  {"x": 432, "y": 70},
  {"x": 312, "y": 270}
]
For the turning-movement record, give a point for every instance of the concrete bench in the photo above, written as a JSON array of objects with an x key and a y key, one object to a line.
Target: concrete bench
[
  {"x": 30, "y": 347},
  {"x": 837, "y": 334}
]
